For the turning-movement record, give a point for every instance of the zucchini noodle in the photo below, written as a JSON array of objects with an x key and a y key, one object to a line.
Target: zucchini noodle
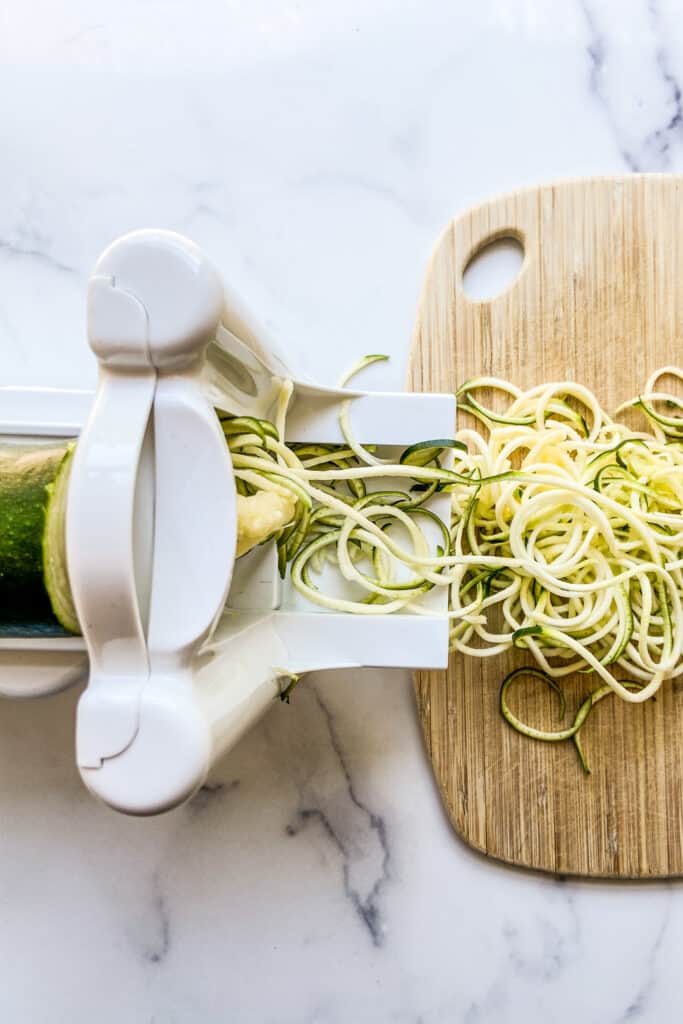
[{"x": 565, "y": 539}]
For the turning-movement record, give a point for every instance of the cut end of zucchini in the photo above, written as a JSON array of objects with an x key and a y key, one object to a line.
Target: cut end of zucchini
[{"x": 261, "y": 515}]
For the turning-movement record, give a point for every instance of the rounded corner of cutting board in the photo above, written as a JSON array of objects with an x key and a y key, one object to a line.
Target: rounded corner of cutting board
[{"x": 603, "y": 270}]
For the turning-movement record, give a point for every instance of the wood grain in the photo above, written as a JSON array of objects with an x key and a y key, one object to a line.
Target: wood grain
[{"x": 599, "y": 299}]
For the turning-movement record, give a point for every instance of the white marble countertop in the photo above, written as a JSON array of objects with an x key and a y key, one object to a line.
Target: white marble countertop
[{"x": 315, "y": 149}]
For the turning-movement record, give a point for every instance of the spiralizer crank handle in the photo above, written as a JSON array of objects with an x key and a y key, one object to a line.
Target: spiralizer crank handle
[{"x": 151, "y": 522}]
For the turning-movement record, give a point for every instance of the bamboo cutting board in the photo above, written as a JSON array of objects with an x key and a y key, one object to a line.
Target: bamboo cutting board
[{"x": 599, "y": 299}]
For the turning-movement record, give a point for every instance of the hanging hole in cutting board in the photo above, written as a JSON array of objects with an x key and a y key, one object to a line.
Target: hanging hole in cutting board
[{"x": 493, "y": 268}]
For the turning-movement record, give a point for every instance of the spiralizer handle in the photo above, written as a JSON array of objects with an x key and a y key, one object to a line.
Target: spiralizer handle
[{"x": 151, "y": 522}]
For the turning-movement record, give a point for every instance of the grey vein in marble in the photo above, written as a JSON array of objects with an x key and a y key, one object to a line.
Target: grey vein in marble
[
  {"x": 210, "y": 795},
  {"x": 493, "y": 1001},
  {"x": 13, "y": 248},
  {"x": 639, "y": 1004},
  {"x": 411, "y": 207},
  {"x": 366, "y": 835},
  {"x": 157, "y": 952},
  {"x": 611, "y": 68}
]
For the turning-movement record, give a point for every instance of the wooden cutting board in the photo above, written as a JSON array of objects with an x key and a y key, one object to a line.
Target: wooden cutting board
[{"x": 599, "y": 299}]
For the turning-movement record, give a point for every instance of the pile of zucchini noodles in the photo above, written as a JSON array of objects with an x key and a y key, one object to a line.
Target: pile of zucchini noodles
[{"x": 566, "y": 537}]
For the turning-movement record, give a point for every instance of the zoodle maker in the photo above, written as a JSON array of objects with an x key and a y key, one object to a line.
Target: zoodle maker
[{"x": 183, "y": 646}]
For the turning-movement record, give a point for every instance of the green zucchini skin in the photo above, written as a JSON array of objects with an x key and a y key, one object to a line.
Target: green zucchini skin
[
  {"x": 55, "y": 569},
  {"x": 27, "y": 472}
]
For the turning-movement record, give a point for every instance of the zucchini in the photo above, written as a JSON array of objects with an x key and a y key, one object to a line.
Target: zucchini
[
  {"x": 55, "y": 572},
  {"x": 30, "y": 553}
]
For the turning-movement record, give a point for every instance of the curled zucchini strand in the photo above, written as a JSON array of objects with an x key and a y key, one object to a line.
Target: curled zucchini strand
[{"x": 565, "y": 537}]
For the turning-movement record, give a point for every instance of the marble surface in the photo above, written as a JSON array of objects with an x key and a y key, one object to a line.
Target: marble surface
[{"x": 315, "y": 149}]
